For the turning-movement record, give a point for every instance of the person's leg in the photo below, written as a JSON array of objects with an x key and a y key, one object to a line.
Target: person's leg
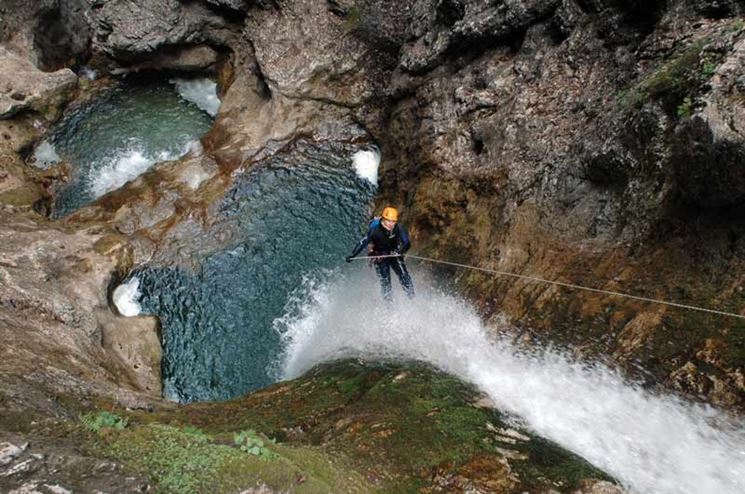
[
  {"x": 399, "y": 267},
  {"x": 383, "y": 268}
]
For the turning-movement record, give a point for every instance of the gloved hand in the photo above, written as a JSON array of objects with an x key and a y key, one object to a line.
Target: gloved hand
[
  {"x": 348, "y": 258},
  {"x": 399, "y": 254}
]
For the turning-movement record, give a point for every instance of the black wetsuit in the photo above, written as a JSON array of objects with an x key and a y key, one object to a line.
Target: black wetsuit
[{"x": 385, "y": 242}]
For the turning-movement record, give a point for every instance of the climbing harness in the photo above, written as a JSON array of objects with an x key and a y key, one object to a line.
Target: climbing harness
[{"x": 561, "y": 283}]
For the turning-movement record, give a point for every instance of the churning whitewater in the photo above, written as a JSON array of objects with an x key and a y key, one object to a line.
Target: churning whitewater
[
  {"x": 126, "y": 297},
  {"x": 201, "y": 92},
  {"x": 653, "y": 444}
]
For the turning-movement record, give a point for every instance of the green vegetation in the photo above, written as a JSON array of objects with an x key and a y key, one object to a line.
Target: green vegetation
[
  {"x": 398, "y": 423},
  {"x": 708, "y": 70},
  {"x": 678, "y": 82},
  {"x": 249, "y": 442},
  {"x": 685, "y": 109},
  {"x": 186, "y": 460},
  {"x": 343, "y": 427},
  {"x": 196, "y": 432},
  {"x": 738, "y": 25},
  {"x": 179, "y": 461},
  {"x": 103, "y": 420},
  {"x": 352, "y": 19}
]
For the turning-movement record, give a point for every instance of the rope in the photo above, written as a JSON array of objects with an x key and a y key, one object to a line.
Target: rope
[{"x": 561, "y": 283}]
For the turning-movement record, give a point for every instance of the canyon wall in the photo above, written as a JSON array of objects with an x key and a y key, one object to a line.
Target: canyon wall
[{"x": 591, "y": 142}]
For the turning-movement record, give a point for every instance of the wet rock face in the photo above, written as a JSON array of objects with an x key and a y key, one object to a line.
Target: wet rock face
[
  {"x": 708, "y": 169},
  {"x": 460, "y": 26},
  {"x": 709, "y": 147},
  {"x": 237, "y": 5},
  {"x": 131, "y": 30},
  {"x": 716, "y": 8},
  {"x": 621, "y": 21},
  {"x": 308, "y": 53}
]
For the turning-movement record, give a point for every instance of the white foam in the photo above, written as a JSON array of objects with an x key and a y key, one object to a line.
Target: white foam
[
  {"x": 652, "y": 443},
  {"x": 201, "y": 92},
  {"x": 170, "y": 390},
  {"x": 366, "y": 164},
  {"x": 126, "y": 298},
  {"x": 45, "y": 155},
  {"x": 88, "y": 73},
  {"x": 195, "y": 147},
  {"x": 194, "y": 174},
  {"x": 121, "y": 170},
  {"x": 127, "y": 166}
]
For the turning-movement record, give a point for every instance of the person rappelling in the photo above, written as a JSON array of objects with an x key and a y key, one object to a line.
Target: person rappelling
[{"x": 388, "y": 241}]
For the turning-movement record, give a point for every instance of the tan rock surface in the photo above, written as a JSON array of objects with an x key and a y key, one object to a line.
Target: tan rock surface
[
  {"x": 54, "y": 310},
  {"x": 24, "y": 87}
]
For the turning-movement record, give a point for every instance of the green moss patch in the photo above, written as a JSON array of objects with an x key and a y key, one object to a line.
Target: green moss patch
[
  {"x": 103, "y": 420},
  {"x": 186, "y": 460},
  {"x": 678, "y": 81}
]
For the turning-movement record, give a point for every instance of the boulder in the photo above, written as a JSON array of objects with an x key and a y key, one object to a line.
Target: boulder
[
  {"x": 307, "y": 52},
  {"x": 24, "y": 87}
]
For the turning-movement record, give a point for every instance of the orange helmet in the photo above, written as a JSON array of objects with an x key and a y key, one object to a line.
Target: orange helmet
[{"x": 390, "y": 214}]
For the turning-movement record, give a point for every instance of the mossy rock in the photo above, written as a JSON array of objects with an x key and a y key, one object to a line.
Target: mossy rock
[
  {"x": 678, "y": 81},
  {"x": 347, "y": 427},
  {"x": 183, "y": 461},
  {"x": 343, "y": 427}
]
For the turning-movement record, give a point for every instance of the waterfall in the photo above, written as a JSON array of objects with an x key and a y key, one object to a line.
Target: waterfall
[
  {"x": 652, "y": 443},
  {"x": 201, "y": 92}
]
